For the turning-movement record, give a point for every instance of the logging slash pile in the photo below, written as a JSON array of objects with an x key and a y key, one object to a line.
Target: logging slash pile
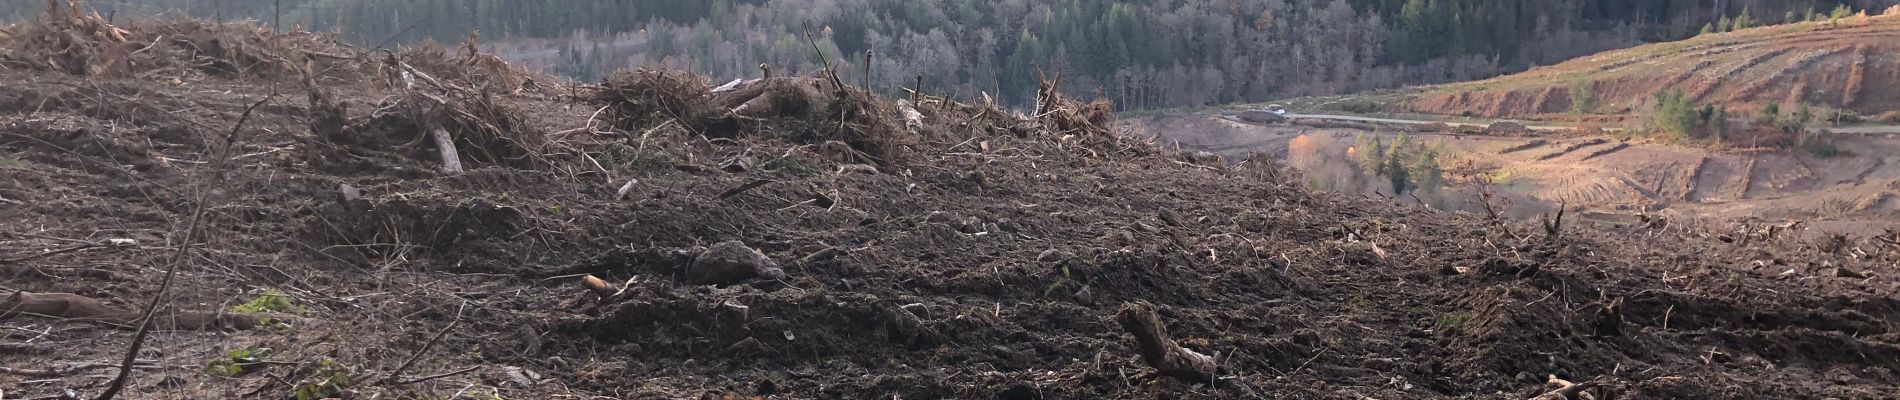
[{"x": 278, "y": 215}]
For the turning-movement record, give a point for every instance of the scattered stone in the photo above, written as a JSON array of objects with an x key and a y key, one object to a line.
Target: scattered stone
[{"x": 731, "y": 262}]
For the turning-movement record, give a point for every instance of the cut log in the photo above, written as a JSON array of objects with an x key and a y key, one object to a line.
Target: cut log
[
  {"x": 451, "y": 159},
  {"x": 1159, "y": 350}
]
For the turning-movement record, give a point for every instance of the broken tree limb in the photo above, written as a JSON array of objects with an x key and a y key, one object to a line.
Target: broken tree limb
[
  {"x": 743, "y": 188},
  {"x": 68, "y": 370},
  {"x": 1566, "y": 390},
  {"x": 451, "y": 159},
  {"x": 425, "y": 348},
  {"x": 1159, "y": 350}
]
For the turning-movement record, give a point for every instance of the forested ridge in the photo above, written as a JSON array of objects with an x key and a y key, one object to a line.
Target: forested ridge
[{"x": 1143, "y": 54}]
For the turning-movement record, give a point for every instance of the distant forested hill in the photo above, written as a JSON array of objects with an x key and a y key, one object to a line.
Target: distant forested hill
[{"x": 1143, "y": 54}]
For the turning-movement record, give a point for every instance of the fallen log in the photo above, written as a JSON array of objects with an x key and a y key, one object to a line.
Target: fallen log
[
  {"x": 1159, "y": 350},
  {"x": 73, "y": 307}
]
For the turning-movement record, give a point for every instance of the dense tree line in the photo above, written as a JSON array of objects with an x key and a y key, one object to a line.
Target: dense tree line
[{"x": 1144, "y": 54}]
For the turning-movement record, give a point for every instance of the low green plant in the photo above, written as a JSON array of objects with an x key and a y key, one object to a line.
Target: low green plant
[
  {"x": 1583, "y": 97},
  {"x": 331, "y": 379},
  {"x": 270, "y": 300},
  {"x": 1452, "y": 321},
  {"x": 238, "y": 362}
]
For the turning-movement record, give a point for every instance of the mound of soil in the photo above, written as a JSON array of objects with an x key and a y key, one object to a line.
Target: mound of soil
[{"x": 984, "y": 256}]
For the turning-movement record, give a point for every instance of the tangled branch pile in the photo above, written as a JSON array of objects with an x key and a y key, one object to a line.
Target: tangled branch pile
[
  {"x": 78, "y": 41},
  {"x": 809, "y": 110},
  {"x": 644, "y": 98},
  {"x": 1068, "y": 116}
]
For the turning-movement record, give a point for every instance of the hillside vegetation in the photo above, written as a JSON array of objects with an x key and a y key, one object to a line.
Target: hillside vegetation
[{"x": 1850, "y": 63}]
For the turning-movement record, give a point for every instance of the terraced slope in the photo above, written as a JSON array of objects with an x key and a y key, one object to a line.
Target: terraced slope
[{"x": 1852, "y": 64}]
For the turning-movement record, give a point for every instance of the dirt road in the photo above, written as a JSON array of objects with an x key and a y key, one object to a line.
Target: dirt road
[{"x": 1377, "y": 120}]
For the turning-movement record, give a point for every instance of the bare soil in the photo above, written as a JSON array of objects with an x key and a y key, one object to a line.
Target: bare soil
[{"x": 984, "y": 255}]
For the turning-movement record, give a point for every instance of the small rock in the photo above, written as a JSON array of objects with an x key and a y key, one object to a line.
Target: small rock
[
  {"x": 518, "y": 376},
  {"x": 1051, "y": 255},
  {"x": 970, "y": 225},
  {"x": 731, "y": 262},
  {"x": 1169, "y": 218},
  {"x": 1085, "y": 297},
  {"x": 349, "y": 193},
  {"x": 737, "y": 164}
]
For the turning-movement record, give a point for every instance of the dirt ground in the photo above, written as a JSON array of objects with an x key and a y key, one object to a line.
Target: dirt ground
[
  {"x": 969, "y": 252},
  {"x": 1850, "y": 193}
]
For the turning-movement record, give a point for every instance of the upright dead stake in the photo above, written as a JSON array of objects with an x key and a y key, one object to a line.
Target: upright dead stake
[
  {"x": 1554, "y": 228},
  {"x": 917, "y": 92},
  {"x": 1159, "y": 350},
  {"x": 451, "y": 160}
]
